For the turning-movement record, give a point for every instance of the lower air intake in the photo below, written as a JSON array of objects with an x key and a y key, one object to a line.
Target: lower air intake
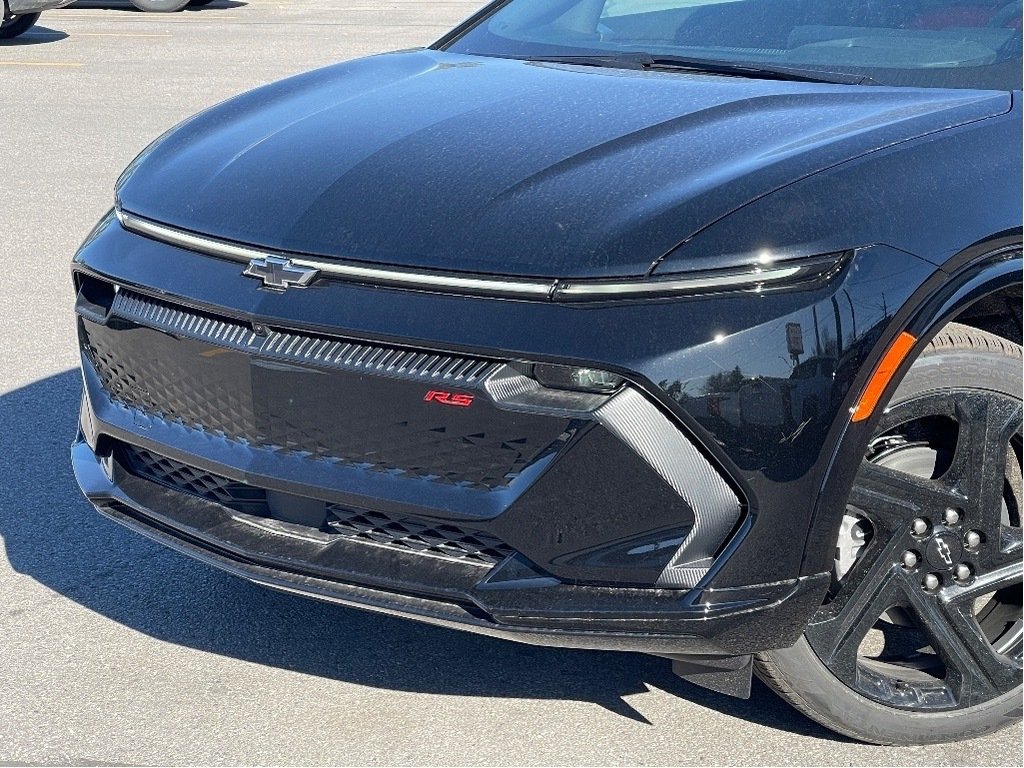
[
  {"x": 436, "y": 539},
  {"x": 423, "y": 537}
]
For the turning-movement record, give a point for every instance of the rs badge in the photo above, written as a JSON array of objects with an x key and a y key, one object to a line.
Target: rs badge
[{"x": 448, "y": 398}]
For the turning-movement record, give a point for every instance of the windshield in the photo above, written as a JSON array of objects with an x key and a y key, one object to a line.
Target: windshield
[{"x": 924, "y": 43}]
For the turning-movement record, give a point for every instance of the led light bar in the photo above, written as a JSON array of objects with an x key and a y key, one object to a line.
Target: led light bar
[
  {"x": 757, "y": 278},
  {"x": 761, "y": 277}
]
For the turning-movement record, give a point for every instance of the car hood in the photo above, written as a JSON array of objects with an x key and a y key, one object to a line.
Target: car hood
[{"x": 432, "y": 160}]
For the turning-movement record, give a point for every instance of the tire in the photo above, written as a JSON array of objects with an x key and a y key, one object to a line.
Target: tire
[
  {"x": 160, "y": 6},
  {"x": 937, "y": 663},
  {"x": 17, "y": 25}
]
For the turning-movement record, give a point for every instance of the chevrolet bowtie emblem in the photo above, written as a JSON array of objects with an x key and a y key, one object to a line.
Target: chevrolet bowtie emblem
[{"x": 279, "y": 274}]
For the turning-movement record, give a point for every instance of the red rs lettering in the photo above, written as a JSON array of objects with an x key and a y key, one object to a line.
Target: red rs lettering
[{"x": 448, "y": 398}]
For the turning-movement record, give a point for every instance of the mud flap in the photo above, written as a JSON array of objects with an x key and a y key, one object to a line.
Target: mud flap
[{"x": 730, "y": 675}]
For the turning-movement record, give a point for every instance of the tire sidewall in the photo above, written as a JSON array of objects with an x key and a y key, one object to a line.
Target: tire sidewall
[
  {"x": 948, "y": 368},
  {"x": 854, "y": 715},
  {"x": 18, "y": 25}
]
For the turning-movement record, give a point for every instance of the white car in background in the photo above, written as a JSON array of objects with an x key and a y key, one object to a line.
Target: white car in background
[
  {"x": 21, "y": 15},
  {"x": 166, "y": 6}
]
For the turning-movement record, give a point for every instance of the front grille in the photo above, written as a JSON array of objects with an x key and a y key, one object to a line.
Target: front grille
[
  {"x": 323, "y": 351},
  {"x": 310, "y": 396},
  {"x": 407, "y": 534},
  {"x": 437, "y": 539},
  {"x": 196, "y": 482}
]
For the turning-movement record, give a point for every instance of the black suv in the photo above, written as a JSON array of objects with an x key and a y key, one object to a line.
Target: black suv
[{"x": 690, "y": 328}]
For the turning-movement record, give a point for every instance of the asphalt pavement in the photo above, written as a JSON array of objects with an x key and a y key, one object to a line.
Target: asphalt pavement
[{"x": 114, "y": 650}]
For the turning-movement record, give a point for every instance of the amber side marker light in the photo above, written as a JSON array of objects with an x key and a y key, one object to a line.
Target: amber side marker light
[{"x": 883, "y": 375}]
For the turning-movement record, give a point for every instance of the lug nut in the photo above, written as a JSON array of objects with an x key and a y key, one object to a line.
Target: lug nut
[
  {"x": 932, "y": 582},
  {"x": 951, "y": 516},
  {"x": 919, "y": 526},
  {"x": 972, "y": 539},
  {"x": 909, "y": 559},
  {"x": 963, "y": 573}
]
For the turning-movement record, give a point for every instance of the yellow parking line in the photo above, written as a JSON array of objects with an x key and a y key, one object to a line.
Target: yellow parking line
[
  {"x": 132, "y": 19},
  {"x": 119, "y": 34},
  {"x": 40, "y": 64},
  {"x": 197, "y": 19}
]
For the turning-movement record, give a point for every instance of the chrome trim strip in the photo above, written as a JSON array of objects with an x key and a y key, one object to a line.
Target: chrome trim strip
[
  {"x": 753, "y": 278},
  {"x": 226, "y": 250},
  {"x": 694, "y": 284}
]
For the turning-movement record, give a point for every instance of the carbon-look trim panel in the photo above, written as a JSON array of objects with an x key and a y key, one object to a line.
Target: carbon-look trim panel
[
  {"x": 638, "y": 423},
  {"x": 302, "y": 347}
]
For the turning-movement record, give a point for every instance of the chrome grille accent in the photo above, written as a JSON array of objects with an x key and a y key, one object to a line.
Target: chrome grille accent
[{"x": 157, "y": 314}]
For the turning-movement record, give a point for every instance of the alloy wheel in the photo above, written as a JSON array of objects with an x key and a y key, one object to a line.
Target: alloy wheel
[{"x": 928, "y": 615}]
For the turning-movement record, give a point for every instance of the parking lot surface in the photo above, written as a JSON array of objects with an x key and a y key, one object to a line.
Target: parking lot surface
[{"x": 115, "y": 650}]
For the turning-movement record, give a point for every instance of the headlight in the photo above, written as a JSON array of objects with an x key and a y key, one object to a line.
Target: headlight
[
  {"x": 764, "y": 275},
  {"x": 577, "y": 379}
]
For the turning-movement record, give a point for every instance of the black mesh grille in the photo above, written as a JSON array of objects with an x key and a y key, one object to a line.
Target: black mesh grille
[
  {"x": 216, "y": 375},
  {"x": 437, "y": 539},
  {"x": 197, "y": 482},
  {"x": 181, "y": 476},
  {"x": 407, "y": 534}
]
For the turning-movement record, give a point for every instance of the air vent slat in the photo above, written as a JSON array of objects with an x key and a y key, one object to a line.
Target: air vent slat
[{"x": 335, "y": 353}]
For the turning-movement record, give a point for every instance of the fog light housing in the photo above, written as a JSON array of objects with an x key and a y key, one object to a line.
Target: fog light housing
[{"x": 577, "y": 379}]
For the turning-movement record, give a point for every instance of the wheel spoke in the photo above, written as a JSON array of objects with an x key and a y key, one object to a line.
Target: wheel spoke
[
  {"x": 1004, "y": 552},
  {"x": 892, "y": 498},
  {"x": 990, "y": 581},
  {"x": 978, "y": 468},
  {"x": 865, "y": 594},
  {"x": 974, "y": 671}
]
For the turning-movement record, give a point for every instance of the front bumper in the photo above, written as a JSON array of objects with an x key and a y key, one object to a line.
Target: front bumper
[{"x": 513, "y": 603}]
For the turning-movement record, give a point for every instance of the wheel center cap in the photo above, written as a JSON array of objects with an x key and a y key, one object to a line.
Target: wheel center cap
[{"x": 944, "y": 551}]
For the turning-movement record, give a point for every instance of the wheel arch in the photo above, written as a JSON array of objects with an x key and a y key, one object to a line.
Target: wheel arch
[{"x": 980, "y": 287}]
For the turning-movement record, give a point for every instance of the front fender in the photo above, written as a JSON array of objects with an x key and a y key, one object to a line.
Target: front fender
[{"x": 985, "y": 268}]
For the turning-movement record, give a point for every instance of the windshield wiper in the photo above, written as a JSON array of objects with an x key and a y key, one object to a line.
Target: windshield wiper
[
  {"x": 682, "y": 63},
  {"x": 756, "y": 71},
  {"x": 612, "y": 60}
]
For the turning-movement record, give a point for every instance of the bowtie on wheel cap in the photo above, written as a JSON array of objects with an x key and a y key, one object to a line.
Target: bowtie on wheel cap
[{"x": 943, "y": 551}]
